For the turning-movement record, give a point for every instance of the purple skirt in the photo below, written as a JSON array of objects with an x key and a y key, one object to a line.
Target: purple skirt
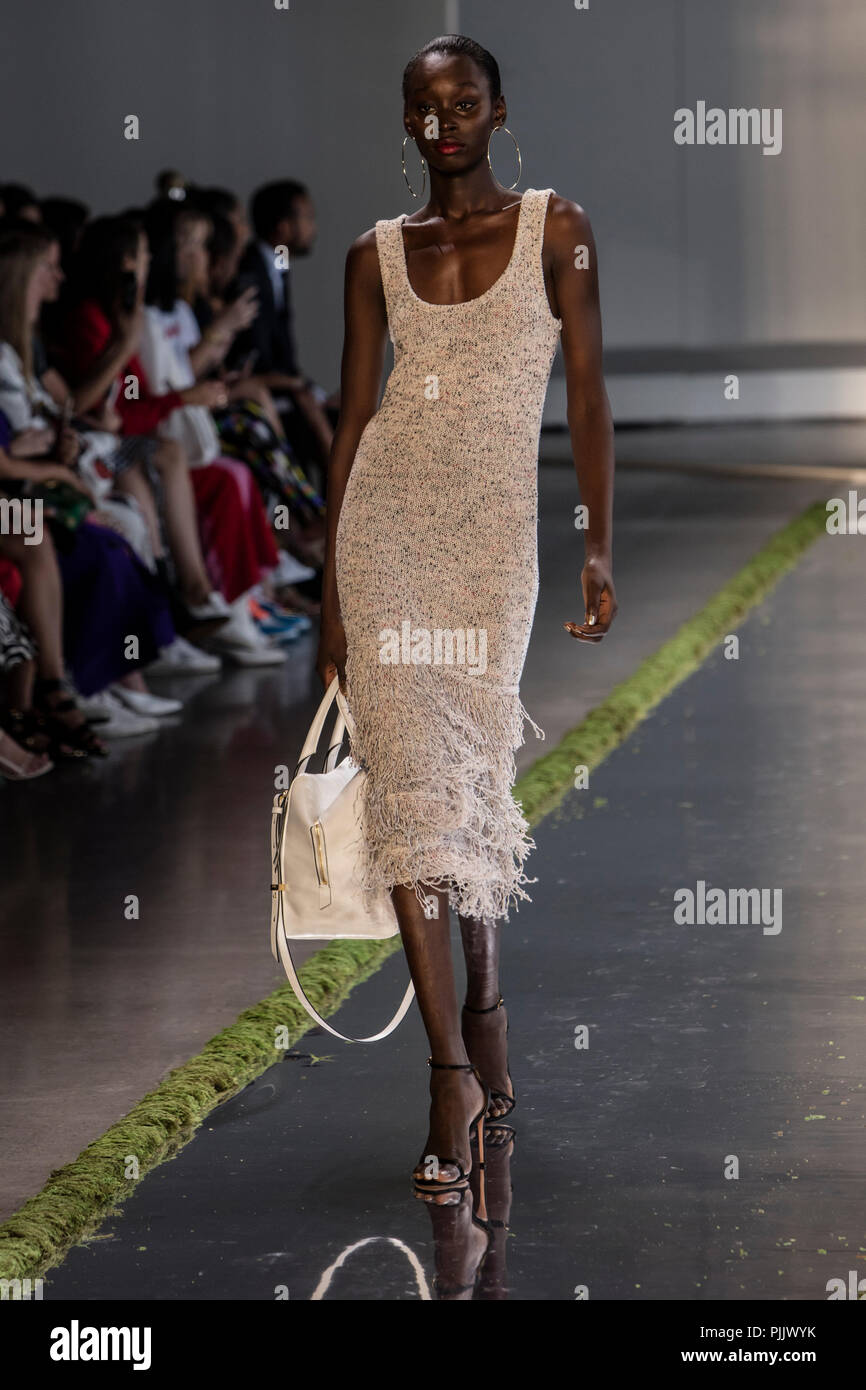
[{"x": 108, "y": 597}]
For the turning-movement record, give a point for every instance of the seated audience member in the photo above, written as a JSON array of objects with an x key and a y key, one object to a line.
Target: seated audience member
[
  {"x": 38, "y": 440},
  {"x": 66, "y": 218},
  {"x": 101, "y": 328},
  {"x": 83, "y": 594},
  {"x": 18, "y": 762},
  {"x": 171, "y": 184},
  {"x": 238, "y": 546},
  {"x": 249, "y": 427},
  {"x": 20, "y": 204},
  {"x": 220, "y": 202},
  {"x": 283, "y": 216},
  {"x": 177, "y": 237}
]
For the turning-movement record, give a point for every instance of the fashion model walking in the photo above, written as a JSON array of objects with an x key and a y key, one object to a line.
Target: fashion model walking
[{"x": 431, "y": 573}]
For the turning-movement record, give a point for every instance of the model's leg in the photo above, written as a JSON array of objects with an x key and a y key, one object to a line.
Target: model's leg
[
  {"x": 484, "y": 1034},
  {"x": 455, "y": 1095}
]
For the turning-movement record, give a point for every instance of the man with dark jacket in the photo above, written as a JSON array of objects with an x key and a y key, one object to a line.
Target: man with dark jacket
[{"x": 284, "y": 226}]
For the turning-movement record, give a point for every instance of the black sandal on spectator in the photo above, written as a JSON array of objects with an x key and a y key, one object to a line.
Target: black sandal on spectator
[
  {"x": 67, "y": 740},
  {"x": 27, "y": 727}
]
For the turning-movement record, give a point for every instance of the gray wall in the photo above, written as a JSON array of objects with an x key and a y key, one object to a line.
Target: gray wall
[{"x": 699, "y": 247}]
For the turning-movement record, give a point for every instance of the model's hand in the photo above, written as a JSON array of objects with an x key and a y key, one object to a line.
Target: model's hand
[
  {"x": 599, "y": 599},
  {"x": 331, "y": 657}
]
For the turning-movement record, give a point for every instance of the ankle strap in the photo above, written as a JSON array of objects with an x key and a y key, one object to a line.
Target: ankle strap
[
  {"x": 450, "y": 1066},
  {"x": 493, "y": 1007}
]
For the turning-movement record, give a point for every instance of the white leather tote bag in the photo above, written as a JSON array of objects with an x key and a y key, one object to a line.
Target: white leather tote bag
[{"x": 315, "y": 834}]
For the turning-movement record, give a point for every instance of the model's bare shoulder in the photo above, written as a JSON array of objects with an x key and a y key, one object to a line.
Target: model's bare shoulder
[
  {"x": 362, "y": 264},
  {"x": 363, "y": 250},
  {"x": 567, "y": 224}
]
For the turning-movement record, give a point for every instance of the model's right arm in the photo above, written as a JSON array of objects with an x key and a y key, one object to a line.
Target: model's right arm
[{"x": 365, "y": 336}]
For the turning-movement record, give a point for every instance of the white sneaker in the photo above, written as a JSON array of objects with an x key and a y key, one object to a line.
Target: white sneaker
[
  {"x": 291, "y": 571},
  {"x": 240, "y": 641},
  {"x": 95, "y": 708},
  {"x": 143, "y": 702},
  {"x": 264, "y": 655},
  {"x": 114, "y": 719},
  {"x": 214, "y": 606},
  {"x": 183, "y": 659}
]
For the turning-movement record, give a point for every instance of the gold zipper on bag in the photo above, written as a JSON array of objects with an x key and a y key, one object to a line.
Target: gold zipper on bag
[{"x": 319, "y": 842}]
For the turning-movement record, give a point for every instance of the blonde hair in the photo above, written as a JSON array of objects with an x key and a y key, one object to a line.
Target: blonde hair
[{"x": 20, "y": 251}]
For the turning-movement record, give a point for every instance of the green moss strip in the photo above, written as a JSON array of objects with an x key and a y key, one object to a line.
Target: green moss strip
[{"x": 77, "y": 1198}]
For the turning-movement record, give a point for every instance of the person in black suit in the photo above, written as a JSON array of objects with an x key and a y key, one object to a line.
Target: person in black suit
[{"x": 284, "y": 226}]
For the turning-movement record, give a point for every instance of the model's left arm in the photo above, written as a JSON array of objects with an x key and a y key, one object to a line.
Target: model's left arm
[{"x": 571, "y": 269}]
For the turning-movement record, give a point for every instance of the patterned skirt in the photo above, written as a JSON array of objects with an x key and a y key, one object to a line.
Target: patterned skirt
[
  {"x": 16, "y": 643},
  {"x": 246, "y": 434}
]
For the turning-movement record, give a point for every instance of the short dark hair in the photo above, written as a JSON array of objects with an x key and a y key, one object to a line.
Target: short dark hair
[
  {"x": 270, "y": 204},
  {"x": 457, "y": 45}
]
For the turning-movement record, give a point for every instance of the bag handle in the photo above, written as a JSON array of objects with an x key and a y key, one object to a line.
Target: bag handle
[
  {"x": 285, "y": 951},
  {"x": 343, "y": 721}
]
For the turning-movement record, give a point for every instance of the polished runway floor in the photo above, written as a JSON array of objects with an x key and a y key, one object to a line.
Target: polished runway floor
[{"x": 706, "y": 1043}]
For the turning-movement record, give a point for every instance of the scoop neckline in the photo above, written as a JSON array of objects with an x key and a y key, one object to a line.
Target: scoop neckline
[{"x": 461, "y": 303}]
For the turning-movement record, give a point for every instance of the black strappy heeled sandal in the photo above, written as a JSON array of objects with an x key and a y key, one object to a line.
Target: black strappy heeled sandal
[
  {"x": 477, "y": 1124},
  {"x": 67, "y": 740},
  {"x": 502, "y": 1096}
]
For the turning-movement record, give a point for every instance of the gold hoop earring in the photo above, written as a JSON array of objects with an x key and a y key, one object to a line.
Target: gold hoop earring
[
  {"x": 406, "y": 176},
  {"x": 517, "y": 148}
]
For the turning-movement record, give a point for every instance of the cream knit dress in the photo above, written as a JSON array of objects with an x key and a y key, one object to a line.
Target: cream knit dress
[{"x": 436, "y": 558}]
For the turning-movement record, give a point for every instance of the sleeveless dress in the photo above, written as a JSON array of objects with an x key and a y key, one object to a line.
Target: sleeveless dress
[{"x": 437, "y": 576}]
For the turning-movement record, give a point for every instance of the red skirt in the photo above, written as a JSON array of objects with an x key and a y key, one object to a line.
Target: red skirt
[{"x": 237, "y": 540}]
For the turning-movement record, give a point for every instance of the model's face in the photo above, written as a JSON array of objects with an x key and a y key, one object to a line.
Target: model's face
[
  {"x": 449, "y": 113},
  {"x": 45, "y": 281},
  {"x": 192, "y": 253}
]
